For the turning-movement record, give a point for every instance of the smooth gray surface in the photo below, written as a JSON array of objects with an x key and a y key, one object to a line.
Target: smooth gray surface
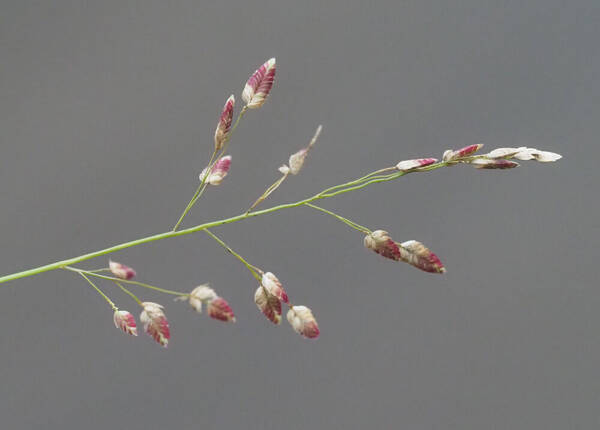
[{"x": 107, "y": 111}]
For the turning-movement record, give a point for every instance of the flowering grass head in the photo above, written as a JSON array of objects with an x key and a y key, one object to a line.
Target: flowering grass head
[{"x": 270, "y": 297}]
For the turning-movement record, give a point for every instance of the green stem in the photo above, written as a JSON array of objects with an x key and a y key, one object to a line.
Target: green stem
[
  {"x": 253, "y": 269},
  {"x": 213, "y": 160},
  {"x": 268, "y": 192},
  {"x": 112, "y": 305},
  {"x": 359, "y": 180},
  {"x": 322, "y": 195},
  {"x": 198, "y": 192},
  {"x": 127, "y": 281},
  {"x": 346, "y": 221},
  {"x": 125, "y": 290}
]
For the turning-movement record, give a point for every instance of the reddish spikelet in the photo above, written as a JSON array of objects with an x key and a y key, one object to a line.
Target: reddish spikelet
[
  {"x": 468, "y": 150},
  {"x": 501, "y": 163},
  {"x": 155, "y": 323},
  {"x": 274, "y": 287},
  {"x": 224, "y": 126},
  {"x": 268, "y": 304},
  {"x": 219, "y": 309},
  {"x": 414, "y": 164},
  {"x": 126, "y": 322},
  {"x": 418, "y": 255},
  {"x": 120, "y": 270},
  {"x": 303, "y": 322},
  {"x": 380, "y": 242},
  {"x": 259, "y": 85},
  {"x": 218, "y": 172},
  {"x": 462, "y": 152}
]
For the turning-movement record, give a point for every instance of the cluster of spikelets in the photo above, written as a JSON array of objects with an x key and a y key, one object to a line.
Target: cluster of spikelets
[
  {"x": 270, "y": 293},
  {"x": 270, "y": 296},
  {"x": 153, "y": 317}
]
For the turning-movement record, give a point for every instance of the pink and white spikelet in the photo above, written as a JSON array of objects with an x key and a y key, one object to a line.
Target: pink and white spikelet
[
  {"x": 224, "y": 125},
  {"x": 411, "y": 252},
  {"x": 218, "y": 172},
  {"x": 121, "y": 271},
  {"x": 418, "y": 255},
  {"x": 524, "y": 153},
  {"x": 381, "y": 242},
  {"x": 268, "y": 304},
  {"x": 407, "y": 165},
  {"x": 466, "y": 151},
  {"x": 274, "y": 287},
  {"x": 501, "y": 163},
  {"x": 199, "y": 295},
  {"x": 155, "y": 323},
  {"x": 303, "y": 322},
  {"x": 259, "y": 85},
  {"x": 219, "y": 309},
  {"x": 126, "y": 322}
]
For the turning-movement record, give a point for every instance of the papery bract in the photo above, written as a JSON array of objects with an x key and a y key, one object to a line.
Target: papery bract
[
  {"x": 380, "y": 242},
  {"x": 504, "y": 152},
  {"x": 303, "y": 322},
  {"x": 155, "y": 323},
  {"x": 536, "y": 154},
  {"x": 224, "y": 126},
  {"x": 126, "y": 322},
  {"x": 413, "y": 164},
  {"x": 219, "y": 309},
  {"x": 274, "y": 287},
  {"x": 120, "y": 270},
  {"x": 268, "y": 304},
  {"x": 418, "y": 255},
  {"x": 200, "y": 294},
  {"x": 218, "y": 172},
  {"x": 259, "y": 85},
  {"x": 297, "y": 160}
]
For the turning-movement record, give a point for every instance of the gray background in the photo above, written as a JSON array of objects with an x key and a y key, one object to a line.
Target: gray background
[{"x": 107, "y": 111}]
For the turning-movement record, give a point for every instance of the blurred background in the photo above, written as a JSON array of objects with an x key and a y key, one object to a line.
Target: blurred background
[{"x": 107, "y": 115}]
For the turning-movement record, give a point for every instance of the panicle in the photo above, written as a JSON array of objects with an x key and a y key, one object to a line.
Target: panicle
[
  {"x": 120, "y": 270},
  {"x": 303, "y": 322},
  {"x": 268, "y": 304},
  {"x": 259, "y": 85},
  {"x": 218, "y": 172},
  {"x": 155, "y": 323},
  {"x": 224, "y": 125},
  {"x": 126, "y": 322}
]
